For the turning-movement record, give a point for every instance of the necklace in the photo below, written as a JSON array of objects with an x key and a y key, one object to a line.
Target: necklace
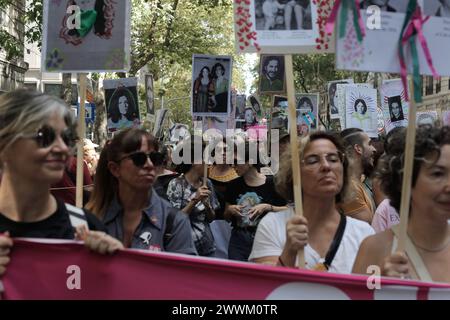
[{"x": 430, "y": 250}]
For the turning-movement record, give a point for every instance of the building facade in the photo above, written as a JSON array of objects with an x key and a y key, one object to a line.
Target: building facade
[{"x": 12, "y": 71}]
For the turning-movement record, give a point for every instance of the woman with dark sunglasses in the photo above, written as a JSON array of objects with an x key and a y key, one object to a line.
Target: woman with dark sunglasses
[
  {"x": 123, "y": 197},
  {"x": 36, "y": 134}
]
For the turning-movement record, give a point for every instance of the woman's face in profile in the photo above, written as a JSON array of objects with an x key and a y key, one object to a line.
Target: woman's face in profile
[{"x": 123, "y": 105}]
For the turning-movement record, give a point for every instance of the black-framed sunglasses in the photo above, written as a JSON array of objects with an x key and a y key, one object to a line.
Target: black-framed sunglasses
[
  {"x": 140, "y": 158},
  {"x": 46, "y": 136}
]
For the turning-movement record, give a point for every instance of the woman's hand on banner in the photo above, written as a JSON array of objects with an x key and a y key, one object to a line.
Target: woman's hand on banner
[{"x": 6, "y": 244}]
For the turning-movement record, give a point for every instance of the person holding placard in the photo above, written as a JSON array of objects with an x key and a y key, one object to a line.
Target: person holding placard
[
  {"x": 36, "y": 137},
  {"x": 198, "y": 201},
  {"x": 248, "y": 199},
  {"x": 428, "y": 232},
  {"x": 329, "y": 238}
]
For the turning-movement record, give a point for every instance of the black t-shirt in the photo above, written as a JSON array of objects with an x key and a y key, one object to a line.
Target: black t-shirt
[
  {"x": 56, "y": 226},
  {"x": 238, "y": 192}
]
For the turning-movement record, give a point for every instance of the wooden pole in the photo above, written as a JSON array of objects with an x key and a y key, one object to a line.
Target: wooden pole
[
  {"x": 269, "y": 131},
  {"x": 407, "y": 169},
  {"x": 205, "y": 158},
  {"x": 81, "y": 135},
  {"x": 294, "y": 147}
]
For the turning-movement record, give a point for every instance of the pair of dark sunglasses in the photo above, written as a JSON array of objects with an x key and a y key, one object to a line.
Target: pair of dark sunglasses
[
  {"x": 46, "y": 136},
  {"x": 140, "y": 158}
]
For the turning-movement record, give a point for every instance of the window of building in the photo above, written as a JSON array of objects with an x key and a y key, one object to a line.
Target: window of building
[
  {"x": 55, "y": 90},
  {"x": 438, "y": 85},
  {"x": 428, "y": 85}
]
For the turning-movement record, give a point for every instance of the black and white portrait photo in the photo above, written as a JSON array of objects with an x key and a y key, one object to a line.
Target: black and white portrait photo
[
  {"x": 241, "y": 100},
  {"x": 211, "y": 85},
  {"x": 398, "y": 6},
  {"x": 272, "y": 76},
  {"x": 283, "y": 14},
  {"x": 121, "y": 100},
  {"x": 437, "y": 8},
  {"x": 149, "y": 94},
  {"x": 256, "y": 105},
  {"x": 333, "y": 97},
  {"x": 395, "y": 108}
]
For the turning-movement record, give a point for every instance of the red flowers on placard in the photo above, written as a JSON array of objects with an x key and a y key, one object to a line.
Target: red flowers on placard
[{"x": 244, "y": 30}]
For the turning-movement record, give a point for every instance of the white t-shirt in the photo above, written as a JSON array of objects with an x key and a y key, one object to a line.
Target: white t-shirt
[{"x": 270, "y": 239}]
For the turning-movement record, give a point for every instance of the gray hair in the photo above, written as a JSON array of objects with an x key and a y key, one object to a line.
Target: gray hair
[{"x": 23, "y": 112}]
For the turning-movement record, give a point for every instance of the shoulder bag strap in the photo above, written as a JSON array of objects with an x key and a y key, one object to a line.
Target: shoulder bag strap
[{"x": 336, "y": 241}]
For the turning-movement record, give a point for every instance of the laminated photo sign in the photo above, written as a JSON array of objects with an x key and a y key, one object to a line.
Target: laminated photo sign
[
  {"x": 394, "y": 105},
  {"x": 307, "y": 106},
  {"x": 211, "y": 85},
  {"x": 361, "y": 109},
  {"x": 282, "y": 26},
  {"x": 122, "y": 103},
  {"x": 86, "y": 36}
]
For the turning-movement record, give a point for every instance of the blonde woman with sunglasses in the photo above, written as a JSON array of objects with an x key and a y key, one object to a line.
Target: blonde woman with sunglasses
[
  {"x": 124, "y": 199},
  {"x": 36, "y": 136}
]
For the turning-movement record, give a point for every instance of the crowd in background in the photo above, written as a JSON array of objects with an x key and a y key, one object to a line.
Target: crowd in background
[{"x": 135, "y": 197}]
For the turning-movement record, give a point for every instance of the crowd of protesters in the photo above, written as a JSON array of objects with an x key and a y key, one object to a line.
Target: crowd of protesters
[{"x": 135, "y": 198}]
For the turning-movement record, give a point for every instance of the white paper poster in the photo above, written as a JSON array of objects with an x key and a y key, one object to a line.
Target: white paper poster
[
  {"x": 361, "y": 107},
  {"x": 426, "y": 117},
  {"x": 282, "y": 26},
  {"x": 86, "y": 36}
]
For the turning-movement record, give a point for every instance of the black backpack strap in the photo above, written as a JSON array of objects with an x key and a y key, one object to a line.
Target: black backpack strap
[
  {"x": 336, "y": 241},
  {"x": 77, "y": 216}
]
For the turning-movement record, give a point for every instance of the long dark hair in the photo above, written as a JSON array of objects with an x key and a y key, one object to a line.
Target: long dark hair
[{"x": 113, "y": 106}]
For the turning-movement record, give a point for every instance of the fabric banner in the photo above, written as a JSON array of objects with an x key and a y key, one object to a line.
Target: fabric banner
[{"x": 67, "y": 270}]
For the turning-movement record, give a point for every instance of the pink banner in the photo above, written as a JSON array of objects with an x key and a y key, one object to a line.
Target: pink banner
[{"x": 69, "y": 271}]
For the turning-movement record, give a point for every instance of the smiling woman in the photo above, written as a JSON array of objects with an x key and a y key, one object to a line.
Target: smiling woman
[
  {"x": 36, "y": 136},
  {"x": 428, "y": 252}
]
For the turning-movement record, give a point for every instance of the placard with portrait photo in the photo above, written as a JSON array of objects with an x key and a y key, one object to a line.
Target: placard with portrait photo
[
  {"x": 361, "y": 109},
  {"x": 307, "y": 106},
  {"x": 86, "y": 36},
  {"x": 333, "y": 97},
  {"x": 272, "y": 76},
  {"x": 122, "y": 105},
  {"x": 282, "y": 26},
  {"x": 211, "y": 85},
  {"x": 394, "y": 105},
  {"x": 340, "y": 99}
]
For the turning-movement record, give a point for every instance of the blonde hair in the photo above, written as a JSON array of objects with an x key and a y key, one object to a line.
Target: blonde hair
[{"x": 23, "y": 112}]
